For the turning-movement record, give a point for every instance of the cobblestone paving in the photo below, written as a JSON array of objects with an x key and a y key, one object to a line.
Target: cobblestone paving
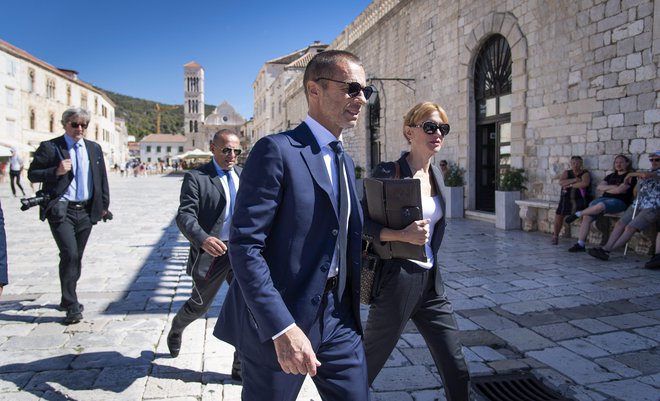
[{"x": 588, "y": 329}]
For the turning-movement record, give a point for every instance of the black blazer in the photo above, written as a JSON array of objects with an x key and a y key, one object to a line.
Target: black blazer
[
  {"x": 201, "y": 205},
  {"x": 372, "y": 229},
  {"x": 46, "y": 160}
]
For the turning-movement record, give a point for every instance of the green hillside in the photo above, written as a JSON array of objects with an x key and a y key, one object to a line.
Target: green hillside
[{"x": 140, "y": 115}]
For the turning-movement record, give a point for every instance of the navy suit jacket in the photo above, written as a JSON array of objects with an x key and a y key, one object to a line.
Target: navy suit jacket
[
  {"x": 201, "y": 208},
  {"x": 44, "y": 165},
  {"x": 284, "y": 232}
]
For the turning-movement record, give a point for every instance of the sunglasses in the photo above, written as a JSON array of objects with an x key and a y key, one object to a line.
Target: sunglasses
[
  {"x": 655, "y": 159},
  {"x": 76, "y": 125},
  {"x": 229, "y": 150},
  {"x": 430, "y": 127},
  {"x": 354, "y": 88}
]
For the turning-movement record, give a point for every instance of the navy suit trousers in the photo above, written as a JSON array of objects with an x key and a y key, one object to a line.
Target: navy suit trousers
[{"x": 342, "y": 374}]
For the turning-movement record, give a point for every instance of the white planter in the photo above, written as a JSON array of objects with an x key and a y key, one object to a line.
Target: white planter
[
  {"x": 454, "y": 202},
  {"x": 507, "y": 213}
]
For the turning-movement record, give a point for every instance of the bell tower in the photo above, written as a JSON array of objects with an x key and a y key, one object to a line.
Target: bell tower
[{"x": 193, "y": 107}]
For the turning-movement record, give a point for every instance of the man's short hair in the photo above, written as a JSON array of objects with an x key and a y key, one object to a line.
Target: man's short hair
[
  {"x": 73, "y": 112},
  {"x": 224, "y": 131},
  {"x": 324, "y": 65}
]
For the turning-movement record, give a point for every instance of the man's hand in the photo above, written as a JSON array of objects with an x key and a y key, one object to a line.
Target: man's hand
[
  {"x": 64, "y": 167},
  {"x": 214, "y": 247},
  {"x": 295, "y": 354}
]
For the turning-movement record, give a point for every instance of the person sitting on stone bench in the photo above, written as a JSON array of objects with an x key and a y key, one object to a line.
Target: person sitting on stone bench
[
  {"x": 654, "y": 263},
  {"x": 646, "y": 209},
  {"x": 617, "y": 196}
]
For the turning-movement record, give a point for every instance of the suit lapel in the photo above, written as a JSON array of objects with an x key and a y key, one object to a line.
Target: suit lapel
[
  {"x": 212, "y": 173},
  {"x": 313, "y": 157}
]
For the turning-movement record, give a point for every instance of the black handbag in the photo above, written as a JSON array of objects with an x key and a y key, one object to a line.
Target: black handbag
[{"x": 369, "y": 270}]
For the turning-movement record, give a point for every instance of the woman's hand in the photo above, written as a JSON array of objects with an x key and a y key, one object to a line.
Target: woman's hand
[{"x": 416, "y": 233}]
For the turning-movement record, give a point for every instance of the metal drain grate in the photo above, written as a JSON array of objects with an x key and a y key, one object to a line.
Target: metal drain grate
[{"x": 515, "y": 387}]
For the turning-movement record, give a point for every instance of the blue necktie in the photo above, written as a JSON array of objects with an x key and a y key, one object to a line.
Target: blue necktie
[
  {"x": 343, "y": 215},
  {"x": 232, "y": 191},
  {"x": 80, "y": 182}
]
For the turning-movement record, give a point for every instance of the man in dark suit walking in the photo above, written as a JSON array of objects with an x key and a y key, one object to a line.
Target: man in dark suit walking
[
  {"x": 206, "y": 203},
  {"x": 293, "y": 308},
  {"x": 72, "y": 170}
]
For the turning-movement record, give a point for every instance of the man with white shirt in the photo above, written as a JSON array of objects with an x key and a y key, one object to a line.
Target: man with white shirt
[
  {"x": 207, "y": 199},
  {"x": 72, "y": 170},
  {"x": 293, "y": 308}
]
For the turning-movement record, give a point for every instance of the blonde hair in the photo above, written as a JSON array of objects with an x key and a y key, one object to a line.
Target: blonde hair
[{"x": 420, "y": 110}]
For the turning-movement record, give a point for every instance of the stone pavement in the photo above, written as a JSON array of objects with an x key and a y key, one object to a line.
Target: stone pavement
[{"x": 586, "y": 328}]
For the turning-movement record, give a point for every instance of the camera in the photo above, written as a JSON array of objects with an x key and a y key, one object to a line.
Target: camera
[{"x": 41, "y": 198}]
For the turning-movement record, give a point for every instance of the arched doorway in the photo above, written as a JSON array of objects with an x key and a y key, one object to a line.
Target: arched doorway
[{"x": 492, "y": 93}]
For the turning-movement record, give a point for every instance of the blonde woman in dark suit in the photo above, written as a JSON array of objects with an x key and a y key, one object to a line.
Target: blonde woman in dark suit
[{"x": 409, "y": 289}]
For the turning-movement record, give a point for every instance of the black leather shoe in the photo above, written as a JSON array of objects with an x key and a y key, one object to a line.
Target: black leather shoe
[
  {"x": 577, "y": 248},
  {"x": 570, "y": 219},
  {"x": 73, "y": 316},
  {"x": 62, "y": 308},
  {"x": 236, "y": 375},
  {"x": 174, "y": 343},
  {"x": 599, "y": 253},
  {"x": 654, "y": 263}
]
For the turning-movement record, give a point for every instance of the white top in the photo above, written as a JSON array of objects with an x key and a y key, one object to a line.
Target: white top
[{"x": 431, "y": 210}]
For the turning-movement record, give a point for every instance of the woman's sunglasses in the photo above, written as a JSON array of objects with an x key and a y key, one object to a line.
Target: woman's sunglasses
[
  {"x": 430, "y": 127},
  {"x": 354, "y": 88},
  {"x": 229, "y": 150}
]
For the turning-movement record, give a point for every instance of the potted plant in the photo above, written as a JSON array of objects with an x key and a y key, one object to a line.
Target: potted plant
[
  {"x": 511, "y": 183},
  {"x": 453, "y": 191}
]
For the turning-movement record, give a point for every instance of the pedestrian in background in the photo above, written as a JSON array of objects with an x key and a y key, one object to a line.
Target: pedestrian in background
[
  {"x": 72, "y": 170},
  {"x": 575, "y": 184},
  {"x": 616, "y": 196},
  {"x": 411, "y": 289},
  {"x": 15, "y": 170},
  {"x": 644, "y": 211},
  {"x": 4, "y": 280},
  {"x": 293, "y": 307},
  {"x": 208, "y": 194}
]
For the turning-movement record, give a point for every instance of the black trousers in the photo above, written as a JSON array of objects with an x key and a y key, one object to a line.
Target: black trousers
[
  {"x": 203, "y": 293},
  {"x": 15, "y": 175},
  {"x": 407, "y": 292},
  {"x": 71, "y": 237}
]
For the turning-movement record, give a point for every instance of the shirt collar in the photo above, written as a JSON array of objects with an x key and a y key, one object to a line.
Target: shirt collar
[
  {"x": 70, "y": 143},
  {"x": 219, "y": 170},
  {"x": 321, "y": 134}
]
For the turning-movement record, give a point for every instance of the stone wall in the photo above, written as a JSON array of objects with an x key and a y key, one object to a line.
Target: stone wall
[{"x": 585, "y": 79}]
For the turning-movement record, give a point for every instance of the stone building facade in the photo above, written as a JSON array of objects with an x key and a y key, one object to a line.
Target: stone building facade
[
  {"x": 525, "y": 84},
  {"x": 33, "y": 96},
  {"x": 271, "y": 111}
]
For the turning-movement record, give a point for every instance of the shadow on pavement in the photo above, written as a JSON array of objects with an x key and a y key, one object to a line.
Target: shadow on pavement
[{"x": 106, "y": 371}]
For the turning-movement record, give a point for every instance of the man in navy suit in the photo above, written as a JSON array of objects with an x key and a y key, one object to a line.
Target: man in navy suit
[
  {"x": 204, "y": 216},
  {"x": 293, "y": 308},
  {"x": 72, "y": 170}
]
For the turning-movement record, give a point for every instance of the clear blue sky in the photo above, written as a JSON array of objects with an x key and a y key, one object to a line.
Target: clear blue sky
[{"x": 138, "y": 48}]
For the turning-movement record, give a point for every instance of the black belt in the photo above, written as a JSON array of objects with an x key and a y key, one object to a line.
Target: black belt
[
  {"x": 78, "y": 205},
  {"x": 331, "y": 284}
]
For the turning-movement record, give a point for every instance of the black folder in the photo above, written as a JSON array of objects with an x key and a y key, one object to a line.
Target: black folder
[{"x": 395, "y": 203}]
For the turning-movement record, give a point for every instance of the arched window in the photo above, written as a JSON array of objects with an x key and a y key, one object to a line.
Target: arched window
[
  {"x": 32, "y": 119},
  {"x": 196, "y": 126},
  {"x": 191, "y": 126},
  {"x": 492, "y": 93},
  {"x": 31, "y": 81},
  {"x": 68, "y": 94},
  {"x": 51, "y": 123}
]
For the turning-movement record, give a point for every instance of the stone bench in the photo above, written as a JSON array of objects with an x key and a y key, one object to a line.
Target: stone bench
[{"x": 530, "y": 210}]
